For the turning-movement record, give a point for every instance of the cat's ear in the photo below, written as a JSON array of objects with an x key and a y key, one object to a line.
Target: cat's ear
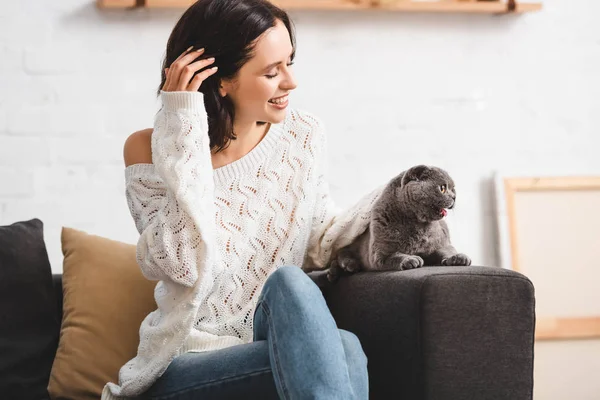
[{"x": 416, "y": 173}]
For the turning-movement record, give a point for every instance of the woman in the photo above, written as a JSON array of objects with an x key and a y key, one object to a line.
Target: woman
[{"x": 229, "y": 195}]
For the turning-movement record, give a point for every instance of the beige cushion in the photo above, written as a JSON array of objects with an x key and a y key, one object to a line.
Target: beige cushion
[{"x": 105, "y": 297}]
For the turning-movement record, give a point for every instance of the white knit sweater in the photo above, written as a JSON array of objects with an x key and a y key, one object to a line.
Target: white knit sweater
[{"x": 212, "y": 237}]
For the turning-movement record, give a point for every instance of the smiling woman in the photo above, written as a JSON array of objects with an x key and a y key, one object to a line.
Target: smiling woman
[
  {"x": 252, "y": 73},
  {"x": 228, "y": 191}
]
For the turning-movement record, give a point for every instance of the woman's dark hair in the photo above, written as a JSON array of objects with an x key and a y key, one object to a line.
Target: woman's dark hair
[{"x": 226, "y": 29}]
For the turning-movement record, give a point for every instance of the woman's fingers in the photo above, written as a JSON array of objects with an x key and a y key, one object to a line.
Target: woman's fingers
[
  {"x": 177, "y": 67},
  {"x": 199, "y": 78},
  {"x": 189, "y": 70},
  {"x": 175, "y": 70},
  {"x": 187, "y": 51},
  {"x": 169, "y": 81}
]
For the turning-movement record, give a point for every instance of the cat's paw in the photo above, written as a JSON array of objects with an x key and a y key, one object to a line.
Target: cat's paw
[
  {"x": 411, "y": 262},
  {"x": 333, "y": 275},
  {"x": 457, "y": 260},
  {"x": 349, "y": 264},
  {"x": 334, "y": 272}
]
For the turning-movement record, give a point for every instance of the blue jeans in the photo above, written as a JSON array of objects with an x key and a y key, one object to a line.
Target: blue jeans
[{"x": 297, "y": 353}]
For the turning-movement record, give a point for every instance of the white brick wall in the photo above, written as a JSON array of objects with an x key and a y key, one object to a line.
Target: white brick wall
[{"x": 470, "y": 93}]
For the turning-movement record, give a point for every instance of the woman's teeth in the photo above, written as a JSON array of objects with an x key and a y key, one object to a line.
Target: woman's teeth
[{"x": 280, "y": 100}]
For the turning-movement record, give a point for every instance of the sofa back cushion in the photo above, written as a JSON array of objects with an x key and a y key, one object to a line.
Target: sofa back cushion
[
  {"x": 29, "y": 321},
  {"x": 105, "y": 299}
]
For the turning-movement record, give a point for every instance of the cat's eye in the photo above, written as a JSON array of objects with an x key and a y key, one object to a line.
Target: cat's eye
[{"x": 443, "y": 188}]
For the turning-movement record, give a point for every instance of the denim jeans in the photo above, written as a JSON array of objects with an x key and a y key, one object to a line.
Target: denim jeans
[{"x": 297, "y": 353}]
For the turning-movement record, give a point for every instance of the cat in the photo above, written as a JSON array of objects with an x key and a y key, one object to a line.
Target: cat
[{"x": 406, "y": 229}]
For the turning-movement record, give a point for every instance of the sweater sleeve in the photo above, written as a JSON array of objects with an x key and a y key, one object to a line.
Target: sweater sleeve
[
  {"x": 332, "y": 227},
  {"x": 173, "y": 207}
]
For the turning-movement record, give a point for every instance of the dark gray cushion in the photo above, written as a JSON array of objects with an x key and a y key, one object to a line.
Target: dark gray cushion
[{"x": 29, "y": 324}]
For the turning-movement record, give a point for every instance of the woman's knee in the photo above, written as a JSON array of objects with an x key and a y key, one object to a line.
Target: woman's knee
[
  {"x": 296, "y": 287},
  {"x": 353, "y": 348},
  {"x": 291, "y": 276},
  {"x": 288, "y": 272}
]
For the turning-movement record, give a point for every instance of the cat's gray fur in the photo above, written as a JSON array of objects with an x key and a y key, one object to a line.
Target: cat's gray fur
[{"x": 407, "y": 229}]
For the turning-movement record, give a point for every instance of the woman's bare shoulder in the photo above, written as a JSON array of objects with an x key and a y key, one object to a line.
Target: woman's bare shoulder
[{"x": 138, "y": 148}]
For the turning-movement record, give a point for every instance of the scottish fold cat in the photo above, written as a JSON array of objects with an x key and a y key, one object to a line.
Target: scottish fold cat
[{"x": 407, "y": 229}]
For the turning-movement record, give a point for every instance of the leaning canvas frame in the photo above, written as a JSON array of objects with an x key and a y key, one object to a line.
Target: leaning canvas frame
[{"x": 506, "y": 188}]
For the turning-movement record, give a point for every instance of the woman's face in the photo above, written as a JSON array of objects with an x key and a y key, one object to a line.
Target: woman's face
[{"x": 259, "y": 91}]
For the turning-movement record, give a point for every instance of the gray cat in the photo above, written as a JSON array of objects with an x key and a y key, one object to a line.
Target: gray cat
[{"x": 407, "y": 229}]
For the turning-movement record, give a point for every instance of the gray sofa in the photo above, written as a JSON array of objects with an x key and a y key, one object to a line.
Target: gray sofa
[{"x": 440, "y": 333}]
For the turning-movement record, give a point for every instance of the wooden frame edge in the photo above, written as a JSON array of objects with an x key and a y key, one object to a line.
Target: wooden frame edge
[
  {"x": 549, "y": 328},
  {"x": 567, "y": 328}
]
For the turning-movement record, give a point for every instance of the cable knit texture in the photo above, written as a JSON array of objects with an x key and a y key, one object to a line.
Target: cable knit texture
[{"x": 212, "y": 237}]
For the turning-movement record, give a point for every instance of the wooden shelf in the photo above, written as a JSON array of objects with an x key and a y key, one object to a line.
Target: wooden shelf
[
  {"x": 115, "y": 3},
  {"x": 442, "y": 6}
]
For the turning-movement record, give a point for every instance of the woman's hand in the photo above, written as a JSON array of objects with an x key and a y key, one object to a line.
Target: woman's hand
[{"x": 181, "y": 71}]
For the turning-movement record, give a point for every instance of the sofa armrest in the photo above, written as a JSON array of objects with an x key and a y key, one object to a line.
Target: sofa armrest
[{"x": 441, "y": 332}]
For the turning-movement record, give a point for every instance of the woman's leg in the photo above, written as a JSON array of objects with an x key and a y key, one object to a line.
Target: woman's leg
[
  {"x": 237, "y": 372},
  {"x": 299, "y": 328},
  {"x": 357, "y": 364},
  {"x": 310, "y": 357}
]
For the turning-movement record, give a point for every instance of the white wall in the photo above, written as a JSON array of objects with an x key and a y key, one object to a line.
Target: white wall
[{"x": 470, "y": 93}]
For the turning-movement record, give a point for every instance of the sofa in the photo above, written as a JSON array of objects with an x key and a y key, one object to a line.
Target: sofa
[{"x": 438, "y": 333}]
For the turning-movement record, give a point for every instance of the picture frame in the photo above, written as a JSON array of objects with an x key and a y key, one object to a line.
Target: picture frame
[{"x": 549, "y": 230}]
